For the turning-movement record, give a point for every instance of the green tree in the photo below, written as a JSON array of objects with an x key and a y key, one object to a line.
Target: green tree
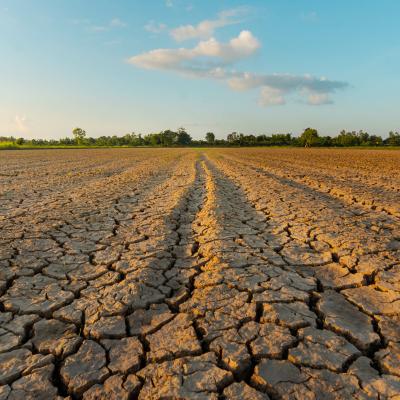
[
  {"x": 309, "y": 137},
  {"x": 210, "y": 137},
  {"x": 325, "y": 141},
  {"x": 233, "y": 138},
  {"x": 183, "y": 138},
  {"x": 153, "y": 139},
  {"x": 20, "y": 141},
  {"x": 393, "y": 139},
  {"x": 79, "y": 135},
  {"x": 281, "y": 139},
  {"x": 363, "y": 138},
  {"x": 133, "y": 139},
  {"x": 347, "y": 139},
  {"x": 168, "y": 137},
  {"x": 375, "y": 140}
]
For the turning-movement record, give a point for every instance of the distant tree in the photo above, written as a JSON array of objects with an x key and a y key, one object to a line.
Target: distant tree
[
  {"x": 375, "y": 140},
  {"x": 363, "y": 138},
  {"x": 309, "y": 137},
  {"x": 168, "y": 137},
  {"x": 250, "y": 140},
  {"x": 280, "y": 139},
  {"x": 183, "y": 138},
  {"x": 79, "y": 135},
  {"x": 91, "y": 141},
  {"x": 241, "y": 139},
  {"x": 132, "y": 139},
  {"x": 262, "y": 140},
  {"x": 210, "y": 137},
  {"x": 393, "y": 139},
  {"x": 347, "y": 139},
  {"x": 233, "y": 138},
  {"x": 20, "y": 141},
  {"x": 325, "y": 141},
  {"x": 66, "y": 141},
  {"x": 7, "y": 139},
  {"x": 153, "y": 139}
]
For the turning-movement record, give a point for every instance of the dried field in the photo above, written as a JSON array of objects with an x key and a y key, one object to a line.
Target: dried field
[{"x": 200, "y": 274}]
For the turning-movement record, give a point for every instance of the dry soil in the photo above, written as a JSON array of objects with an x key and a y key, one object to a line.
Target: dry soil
[{"x": 200, "y": 274}]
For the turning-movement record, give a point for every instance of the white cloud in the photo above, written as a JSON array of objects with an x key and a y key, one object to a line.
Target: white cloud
[
  {"x": 276, "y": 87},
  {"x": 212, "y": 59},
  {"x": 192, "y": 59},
  {"x": 169, "y": 3},
  {"x": 286, "y": 82},
  {"x": 317, "y": 99},
  {"x": 112, "y": 24},
  {"x": 244, "y": 81},
  {"x": 270, "y": 96},
  {"x": 205, "y": 29},
  {"x": 153, "y": 27},
  {"x": 245, "y": 44}
]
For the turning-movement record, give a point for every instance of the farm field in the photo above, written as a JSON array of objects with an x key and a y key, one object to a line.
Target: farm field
[{"x": 200, "y": 274}]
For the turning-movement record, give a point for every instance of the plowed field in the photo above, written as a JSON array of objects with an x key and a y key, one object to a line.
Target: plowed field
[{"x": 200, "y": 274}]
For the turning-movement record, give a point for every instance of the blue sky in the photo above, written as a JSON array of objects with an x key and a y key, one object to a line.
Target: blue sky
[{"x": 113, "y": 67}]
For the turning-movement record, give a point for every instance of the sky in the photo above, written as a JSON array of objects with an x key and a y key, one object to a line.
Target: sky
[{"x": 256, "y": 67}]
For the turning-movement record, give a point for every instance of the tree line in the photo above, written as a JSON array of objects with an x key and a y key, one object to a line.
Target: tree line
[{"x": 169, "y": 138}]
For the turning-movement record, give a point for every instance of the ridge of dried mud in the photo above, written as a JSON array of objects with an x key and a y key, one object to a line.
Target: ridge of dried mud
[{"x": 217, "y": 274}]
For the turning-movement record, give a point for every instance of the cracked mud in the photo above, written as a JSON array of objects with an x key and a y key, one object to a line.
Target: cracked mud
[{"x": 184, "y": 274}]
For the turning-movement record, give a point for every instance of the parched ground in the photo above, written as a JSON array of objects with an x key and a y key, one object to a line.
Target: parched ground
[{"x": 200, "y": 274}]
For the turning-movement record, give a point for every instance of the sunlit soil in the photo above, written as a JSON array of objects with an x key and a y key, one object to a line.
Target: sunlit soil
[{"x": 200, "y": 274}]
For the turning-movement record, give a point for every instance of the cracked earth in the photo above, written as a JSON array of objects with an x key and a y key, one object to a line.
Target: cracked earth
[{"x": 184, "y": 274}]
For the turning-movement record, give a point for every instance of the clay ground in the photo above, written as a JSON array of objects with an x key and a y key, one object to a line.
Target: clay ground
[{"x": 200, "y": 274}]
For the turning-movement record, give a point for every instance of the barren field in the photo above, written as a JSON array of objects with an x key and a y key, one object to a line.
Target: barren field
[{"x": 200, "y": 274}]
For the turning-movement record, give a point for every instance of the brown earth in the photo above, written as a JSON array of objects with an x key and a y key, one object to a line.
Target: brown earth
[{"x": 191, "y": 274}]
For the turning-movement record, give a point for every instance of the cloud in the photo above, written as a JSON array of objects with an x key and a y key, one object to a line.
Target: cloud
[
  {"x": 270, "y": 96},
  {"x": 114, "y": 23},
  {"x": 211, "y": 59},
  {"x": 205, "y": 29},
  {"x": 98, "y": 28},
  {"x": 317, "y": 99},
  {"x": 21, "y": 123},
  {"x": 275, "y": 87},
  {"x": 117, "y": 23},
  {"x": 153, "y": 27},
  {"x": 286, "y": 82},
  {"x": 192, "y": 59},
  {"x": 169, "y": 3}
]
